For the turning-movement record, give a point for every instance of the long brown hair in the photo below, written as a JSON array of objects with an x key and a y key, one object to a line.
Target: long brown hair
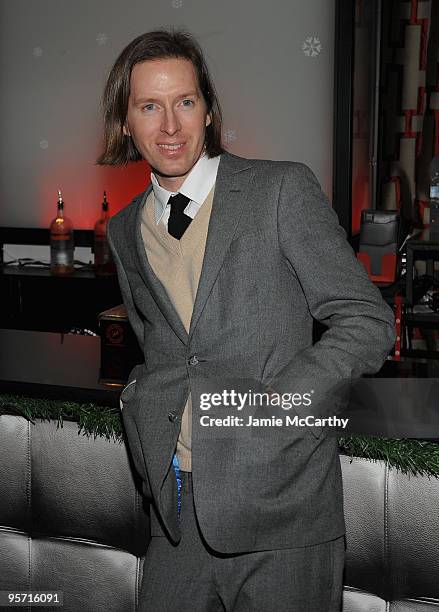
[{"x": 119, "y": 149}]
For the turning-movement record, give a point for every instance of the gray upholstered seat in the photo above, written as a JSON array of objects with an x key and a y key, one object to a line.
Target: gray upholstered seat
[{"x": 72, "y": 519}]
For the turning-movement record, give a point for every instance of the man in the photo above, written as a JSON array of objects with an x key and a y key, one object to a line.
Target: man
[{"x": 223, "y": 263}]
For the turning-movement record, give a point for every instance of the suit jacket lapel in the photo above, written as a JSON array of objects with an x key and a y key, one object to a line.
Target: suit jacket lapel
[
  {"x": 231, "y": 190},
  {"x": 157, "y": 290}
]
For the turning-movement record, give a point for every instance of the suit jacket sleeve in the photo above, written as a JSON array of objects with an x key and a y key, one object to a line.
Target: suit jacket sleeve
[
  {"x": 133, "y": 316},
  {"x": 337, "y": 289}
]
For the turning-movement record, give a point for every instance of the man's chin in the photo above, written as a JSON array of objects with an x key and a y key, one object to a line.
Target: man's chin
[
  {"x": 177, "y": 169},
  {"x": 170, "y": 174}
]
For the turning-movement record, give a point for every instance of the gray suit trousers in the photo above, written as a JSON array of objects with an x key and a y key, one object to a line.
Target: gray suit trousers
[{"x": 191, "y": 577}]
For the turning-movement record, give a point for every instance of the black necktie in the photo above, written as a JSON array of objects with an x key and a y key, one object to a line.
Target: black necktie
[{"x": 178, "y": 221}]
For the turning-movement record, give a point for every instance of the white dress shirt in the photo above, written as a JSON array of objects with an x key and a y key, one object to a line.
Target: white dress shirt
[{"x": 196, "y": 187}]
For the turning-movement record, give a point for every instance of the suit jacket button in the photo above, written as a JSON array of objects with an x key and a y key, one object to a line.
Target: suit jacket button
[
  {"x": 172, "y": 417},
  {"x": 193, "y": 360}
]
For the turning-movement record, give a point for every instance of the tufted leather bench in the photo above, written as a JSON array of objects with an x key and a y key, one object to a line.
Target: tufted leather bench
[{"x": 72, "y": 519}]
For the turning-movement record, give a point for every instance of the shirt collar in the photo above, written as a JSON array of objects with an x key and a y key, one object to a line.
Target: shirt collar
[{"x": 196, "y": 186}]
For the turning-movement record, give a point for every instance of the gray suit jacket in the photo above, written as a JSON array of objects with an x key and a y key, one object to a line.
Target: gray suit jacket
[{"x": 275, "y": 259}]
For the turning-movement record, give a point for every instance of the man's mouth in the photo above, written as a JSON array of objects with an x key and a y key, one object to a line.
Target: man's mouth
[{"x": 171, "y": 147}]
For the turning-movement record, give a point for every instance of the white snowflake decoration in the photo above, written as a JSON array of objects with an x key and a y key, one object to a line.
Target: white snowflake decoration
[
  {"x": 312, "y": 46},
  {"x": 44, "y": 144},
  {"x": 101, "y": 38},
  {"x": 230, "y": 136},
  {"x": 177, "y": 4},
  {"x": 37, "y": 52}
]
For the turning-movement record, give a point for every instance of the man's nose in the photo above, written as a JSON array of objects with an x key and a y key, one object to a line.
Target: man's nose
[{"x": 170, "y": 123}]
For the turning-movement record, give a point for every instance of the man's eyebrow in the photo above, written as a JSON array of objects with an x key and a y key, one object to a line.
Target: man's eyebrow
[{"x": 193, "y": 94}]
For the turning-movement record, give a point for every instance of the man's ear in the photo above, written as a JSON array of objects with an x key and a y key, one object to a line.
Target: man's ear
[
  {"x": 126, "y": 131},
  {"x": 208, "y": 119}
]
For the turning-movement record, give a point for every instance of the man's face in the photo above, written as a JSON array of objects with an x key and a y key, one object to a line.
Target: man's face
[{"x": 166, "y": 107}]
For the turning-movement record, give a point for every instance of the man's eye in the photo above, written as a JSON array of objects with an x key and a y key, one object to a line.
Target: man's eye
[
  {"x": 191, "y": 102},
  {"x": 148, "y": 107}
]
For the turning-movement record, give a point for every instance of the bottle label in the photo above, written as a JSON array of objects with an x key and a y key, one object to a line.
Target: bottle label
[
  {"x": 61, "y": 251},
  {"x": 102, "y": 251}
]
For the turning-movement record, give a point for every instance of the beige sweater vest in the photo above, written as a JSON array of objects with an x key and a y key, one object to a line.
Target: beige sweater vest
[{"x": 177, "y": 264}]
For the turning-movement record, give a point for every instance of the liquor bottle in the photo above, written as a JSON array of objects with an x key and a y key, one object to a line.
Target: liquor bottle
[
  {"x": 61, "y": 242},
  {"x": 103, "y": 261}
]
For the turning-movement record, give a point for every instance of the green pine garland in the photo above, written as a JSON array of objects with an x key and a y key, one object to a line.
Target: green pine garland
[
  {"x": 417, "y": 457},
  {"x": 92, "y": 420}
]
